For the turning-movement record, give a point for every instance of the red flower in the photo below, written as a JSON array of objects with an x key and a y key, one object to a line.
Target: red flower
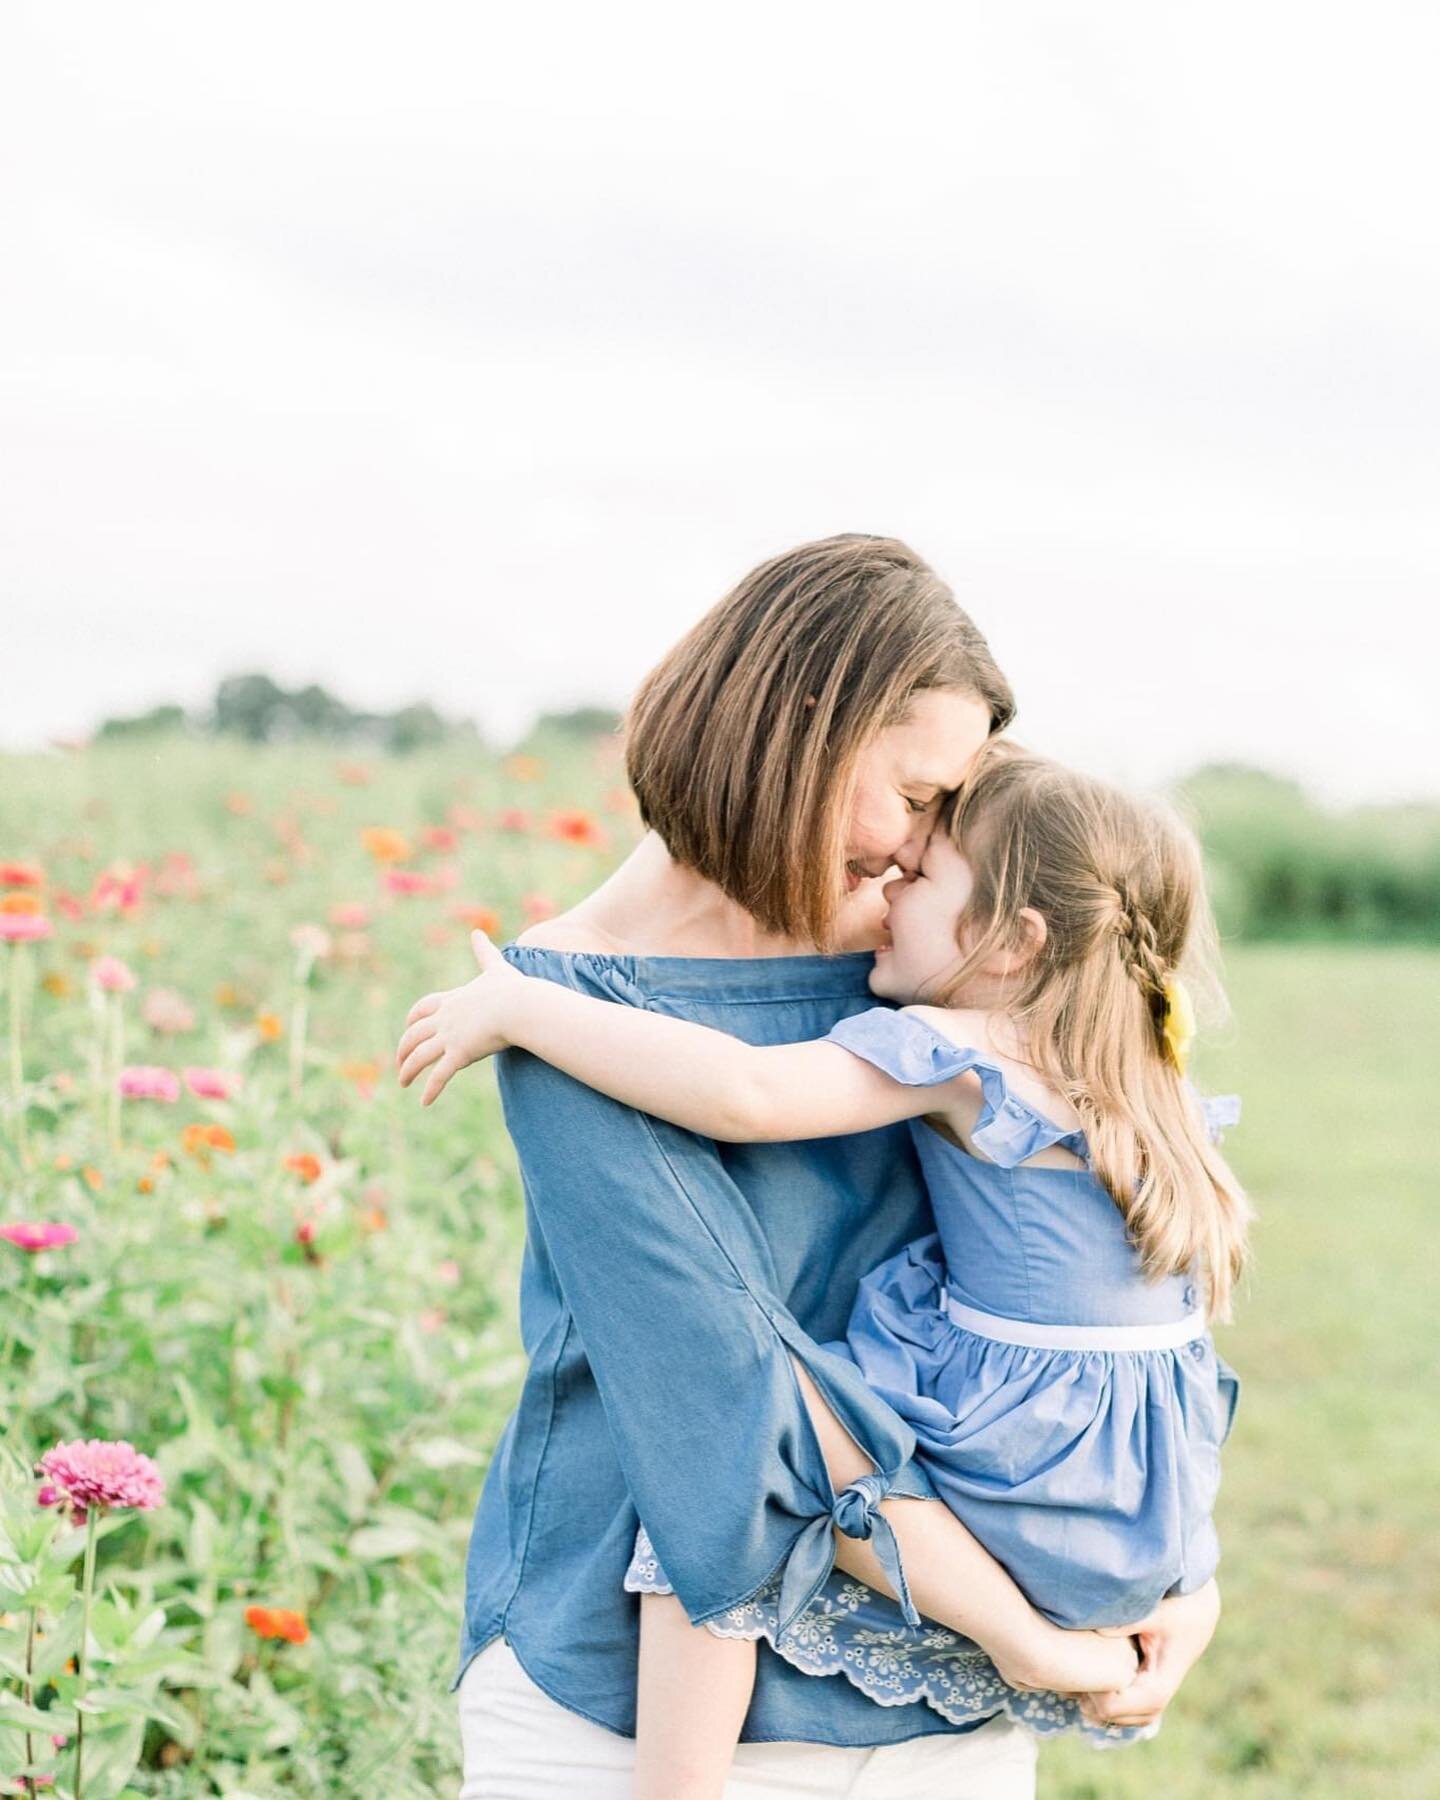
[
  {"x": 576, "y": 828},
  {"x": 277, "y": 1621}
]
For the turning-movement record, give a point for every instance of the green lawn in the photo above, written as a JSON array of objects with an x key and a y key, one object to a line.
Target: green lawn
[{"x": 1325, "y": 1674}]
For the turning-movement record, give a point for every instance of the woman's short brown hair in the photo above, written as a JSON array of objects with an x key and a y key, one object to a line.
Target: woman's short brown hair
[{"x": 741, "y": 744}]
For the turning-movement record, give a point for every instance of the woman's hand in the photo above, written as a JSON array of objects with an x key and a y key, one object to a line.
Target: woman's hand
[
  {"x": 1172, "y": 1641},
  {"x": 462, "y": 1025},
  {"x": 1087, "y": 1664}
]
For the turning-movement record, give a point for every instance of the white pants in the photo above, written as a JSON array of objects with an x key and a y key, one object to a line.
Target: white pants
[{"x": 519, "y": 1744}]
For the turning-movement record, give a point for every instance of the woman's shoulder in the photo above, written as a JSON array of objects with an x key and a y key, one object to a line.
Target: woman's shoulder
[{"x": 573, "y": 932}]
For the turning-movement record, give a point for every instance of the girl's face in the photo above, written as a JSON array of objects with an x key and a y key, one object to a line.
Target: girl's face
[
  {"x": 924, "y": 908},
  {"x": 902, "y": 776}
]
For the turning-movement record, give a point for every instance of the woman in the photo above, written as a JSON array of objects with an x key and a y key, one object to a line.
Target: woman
[{"x": 791, "y": 750}]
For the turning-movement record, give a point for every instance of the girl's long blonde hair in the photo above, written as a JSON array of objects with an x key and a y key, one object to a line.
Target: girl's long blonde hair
[{"x": 1119, "y": 883}]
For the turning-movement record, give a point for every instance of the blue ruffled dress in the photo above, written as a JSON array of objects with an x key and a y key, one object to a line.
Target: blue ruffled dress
[{"x": 1068, "y": 1410}]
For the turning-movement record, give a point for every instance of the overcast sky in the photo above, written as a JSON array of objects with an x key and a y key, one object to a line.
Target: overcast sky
[{"x": 468, "y": 352}]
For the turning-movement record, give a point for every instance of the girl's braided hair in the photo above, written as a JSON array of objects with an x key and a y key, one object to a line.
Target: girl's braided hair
[{"x": 1118, "y": 880}]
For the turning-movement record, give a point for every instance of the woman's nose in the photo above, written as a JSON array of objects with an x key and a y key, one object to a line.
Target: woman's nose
[
  {"x": 912, "y": 851},
  {"x": 892, "y": 888}
]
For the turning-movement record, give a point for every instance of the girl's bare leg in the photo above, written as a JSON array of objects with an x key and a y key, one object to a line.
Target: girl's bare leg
[
  {"x": 694, "y": 1689},
  {"x": 955, "y": 1580}
]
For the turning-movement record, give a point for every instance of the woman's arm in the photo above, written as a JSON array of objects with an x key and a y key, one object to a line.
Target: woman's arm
[{"x": 698, "y": 1078}]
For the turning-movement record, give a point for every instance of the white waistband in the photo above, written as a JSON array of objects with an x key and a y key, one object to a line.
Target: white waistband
[{"x": 1076, "y": 1337}]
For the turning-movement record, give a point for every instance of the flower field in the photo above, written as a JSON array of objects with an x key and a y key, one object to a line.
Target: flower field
[
  {"x": 233, "y": 1244},
  {"x": 257, "y": 1306}
]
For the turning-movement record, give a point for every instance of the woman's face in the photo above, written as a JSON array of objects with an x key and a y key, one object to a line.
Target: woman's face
[{"x": 902, "y": 776}]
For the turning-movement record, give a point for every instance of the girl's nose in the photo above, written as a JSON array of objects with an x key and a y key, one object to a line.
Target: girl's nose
[{"x": 897, "y": 886}]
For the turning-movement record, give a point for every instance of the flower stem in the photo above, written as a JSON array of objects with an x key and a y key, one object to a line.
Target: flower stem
[
  {"x": 116, "y": 1055},
  {"x": 17, "y": 968},
  {"x": 92, "y": 1519},
  {"x": 298, "y": 1014},
  {"x": 30, "y": 1699}
]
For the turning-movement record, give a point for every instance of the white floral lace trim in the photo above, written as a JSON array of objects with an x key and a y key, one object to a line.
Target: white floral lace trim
[{"x": 842, "y": 1632}]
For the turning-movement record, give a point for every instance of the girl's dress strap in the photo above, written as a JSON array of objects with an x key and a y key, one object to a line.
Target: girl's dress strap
[{"x": 911, "y": 1051}]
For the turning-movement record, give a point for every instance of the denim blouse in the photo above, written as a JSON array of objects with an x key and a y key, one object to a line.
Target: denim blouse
[{"x": 665, "y": 1280}]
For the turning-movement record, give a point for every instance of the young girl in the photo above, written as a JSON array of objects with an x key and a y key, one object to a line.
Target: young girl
[{"x": 1048, "y": 1343}]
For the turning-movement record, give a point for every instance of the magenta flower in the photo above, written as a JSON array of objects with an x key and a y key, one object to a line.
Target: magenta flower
[
  {"x": 24, "y": 928},
  {"x": 110, "y": 973},
  {"x": 144, "y": 1081},
  {"x": 37, "y": 1236},
  {"x": 209, "y": 1084},
  {"x": 102, "y": 1473}
]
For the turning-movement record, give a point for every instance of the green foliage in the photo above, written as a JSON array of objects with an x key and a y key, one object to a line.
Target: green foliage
[{"x": 1282, "y": 867}]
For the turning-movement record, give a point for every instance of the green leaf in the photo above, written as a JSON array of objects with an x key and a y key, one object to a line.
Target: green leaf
[
  {"x": 14, "y": 1712},
  {"x": 377, "y": 1543},
  {"x": 447, "y": 1453}
]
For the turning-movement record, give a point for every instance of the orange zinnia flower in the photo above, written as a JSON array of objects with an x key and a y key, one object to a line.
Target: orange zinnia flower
[
  {"x": 576, "y": 828},
  {"x": 270, "y": 1026},
  {"x": 277, "y": 1621},
  {"x": 363, "y": 1074},
  {"x": 480, "y": 918},
  {"x": 199, "y": 1140},
  {"x": 524, "y": 768},
  {"x": 21, "y": 874},
  {"x": 20, "y": 903},
  {"x": 306, "y": 1166},
  {"x": 384, "y": 844}
]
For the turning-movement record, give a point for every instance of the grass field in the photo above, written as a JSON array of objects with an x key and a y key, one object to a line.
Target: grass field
[
  {"x": 312, "y": 1330},
  {"x": 1324, "y": 1675}
]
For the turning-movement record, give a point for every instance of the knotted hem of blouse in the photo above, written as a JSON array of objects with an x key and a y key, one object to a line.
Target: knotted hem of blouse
[{"x": 855, "y": 1509}]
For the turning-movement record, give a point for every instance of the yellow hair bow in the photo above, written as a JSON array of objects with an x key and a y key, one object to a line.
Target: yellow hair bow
[{"x": 1179, "y": 1025}]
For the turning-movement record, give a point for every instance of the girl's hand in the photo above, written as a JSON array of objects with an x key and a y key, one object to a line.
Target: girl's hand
[
  {"x": 462, "y": 1025},
  {"x": 1172, "y": 1641},
  {"x": 1083, "y": 1663}
]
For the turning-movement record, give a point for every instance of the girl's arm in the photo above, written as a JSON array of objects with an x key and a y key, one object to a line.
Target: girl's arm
[{"x": 703, "y": 1080}]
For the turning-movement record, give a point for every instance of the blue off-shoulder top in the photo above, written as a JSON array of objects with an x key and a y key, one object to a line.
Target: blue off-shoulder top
[{"x": 1069, "y": 1410}]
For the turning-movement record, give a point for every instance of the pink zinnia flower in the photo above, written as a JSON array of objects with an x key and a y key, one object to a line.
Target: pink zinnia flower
[
  {"x": 24, "y": 928},
  {"x": 35, "y": 1235},
  {"x": 352, "y": 914},
  {"x": 407, "y": 881},
  {"x": 209, "y": 1084},
  {"x": 448, "y": 1272},
  {"x": 312, "y": 940},
  {"x": 536, "y": 907},
  {"x": 144, "y": 1081},
  {"x": 109, "y": 973},
  {"x": 99, "y": 1472}
]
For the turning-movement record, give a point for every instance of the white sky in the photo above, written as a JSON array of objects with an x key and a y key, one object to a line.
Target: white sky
[{"x": 468, "y": 352}]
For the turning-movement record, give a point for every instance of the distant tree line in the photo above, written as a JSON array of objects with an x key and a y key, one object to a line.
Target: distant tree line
[
  {"x": 1282, "y": 867},
  {"x": 261, "y": 711}
]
